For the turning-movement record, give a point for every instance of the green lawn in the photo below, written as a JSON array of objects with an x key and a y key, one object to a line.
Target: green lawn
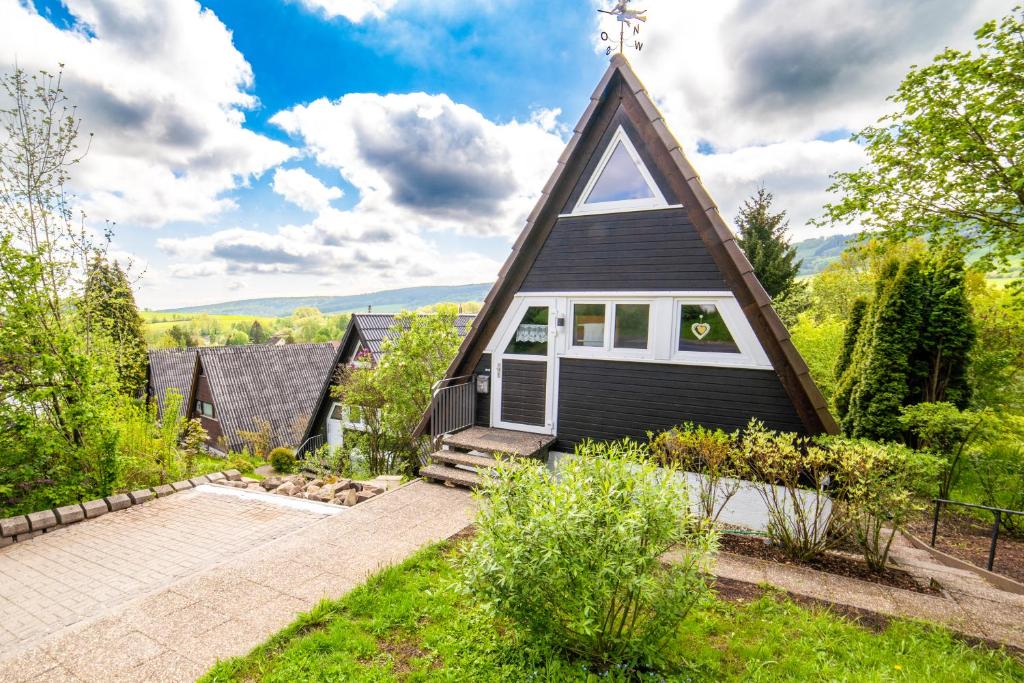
[{"x": 405, "y": 624}]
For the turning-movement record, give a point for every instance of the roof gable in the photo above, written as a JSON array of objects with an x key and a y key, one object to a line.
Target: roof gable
[
  {"x": 171, "y": 369},
  {"x": 620, "y": 99},
  {"x": 276, "y": 383}
]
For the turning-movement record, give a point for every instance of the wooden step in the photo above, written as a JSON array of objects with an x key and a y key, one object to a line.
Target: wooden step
[
  {"x": 467, "y": 459},
  {"x": 493, "y": 440},
  {"x": 451, "y": 475}
]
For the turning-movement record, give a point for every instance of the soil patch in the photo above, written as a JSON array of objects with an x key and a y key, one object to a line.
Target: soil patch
[
  {"x": 831, "y": 562},
  {"x": 968, "y": 538}
]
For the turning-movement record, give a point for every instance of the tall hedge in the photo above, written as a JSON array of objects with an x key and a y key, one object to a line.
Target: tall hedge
[{"x": 909, "y": 344}]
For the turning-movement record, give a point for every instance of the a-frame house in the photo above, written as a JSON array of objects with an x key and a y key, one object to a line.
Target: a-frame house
[{"x": 626, "y": 305}]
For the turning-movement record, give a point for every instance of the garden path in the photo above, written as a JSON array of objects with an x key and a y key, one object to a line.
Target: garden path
[
  {"x": 969, "y": 604},
  {"x": 173, "y": 585}
]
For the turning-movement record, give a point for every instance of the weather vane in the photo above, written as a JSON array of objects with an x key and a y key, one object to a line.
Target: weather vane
[{"x": 625, "y": 17}]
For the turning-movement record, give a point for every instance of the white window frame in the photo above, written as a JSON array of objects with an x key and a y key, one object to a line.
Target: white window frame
[
  {"x": 750, "y": 351},
  {"x": 655, "y": 202},
  {"x": 608, "y": 349}
]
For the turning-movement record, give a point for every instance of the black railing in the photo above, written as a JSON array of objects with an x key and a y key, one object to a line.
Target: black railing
[
  {"x": 453, "y": 406},
  {"x": 997, "y": 512},
  {"x": 310, "y": 445}
]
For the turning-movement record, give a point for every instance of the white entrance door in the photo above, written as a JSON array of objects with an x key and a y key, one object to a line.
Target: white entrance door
[
  {"x": 523, "y": 369},
  {"x": 335, "y": 435}
]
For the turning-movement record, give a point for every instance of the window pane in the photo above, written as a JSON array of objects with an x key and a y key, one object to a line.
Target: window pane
[
  {"x": 531, "y": 336},
  {"x": 588, "y": 325},
  {"x": 702, "y": 328},
  {"x": 631, "y": 323},
  {"x": 620, "y": 180}
]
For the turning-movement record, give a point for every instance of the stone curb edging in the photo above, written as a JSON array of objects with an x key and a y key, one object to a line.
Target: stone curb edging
[
  {"x": 998, "y": 580},
  {"x": 24, "y": 527}
]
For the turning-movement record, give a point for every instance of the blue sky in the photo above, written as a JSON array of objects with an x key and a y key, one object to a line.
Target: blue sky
[{"x": 297, "y": 147}]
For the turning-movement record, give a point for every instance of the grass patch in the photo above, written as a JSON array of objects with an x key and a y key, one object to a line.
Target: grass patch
[{"x": 405, "y": 624}]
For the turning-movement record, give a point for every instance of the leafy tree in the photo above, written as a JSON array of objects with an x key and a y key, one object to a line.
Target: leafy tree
[
  {"x": 182, "y": 336},
  {"x": 949, "y": 162},
  {"x": 257, "y": 335},
  {"x": 997, "y": 360},
  {"x": 237, "y": 338},
  {"x": 110, "y": 310},
  {"x": 763, "y": 240}
]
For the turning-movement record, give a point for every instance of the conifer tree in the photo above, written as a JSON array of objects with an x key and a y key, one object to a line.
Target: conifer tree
[
  {"x": 257, "y": 335},
  {"x": 110, "y": 310},
  {"x": 763, "y": 240}
]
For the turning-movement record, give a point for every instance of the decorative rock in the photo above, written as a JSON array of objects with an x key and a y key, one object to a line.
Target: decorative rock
[
  {"x": 312, "y": 490},
  {"x": 365, "y": 494},
  {"x": 271, "y": 483},
  {"x": 95, "y": 508},
  {"x": 215, "y": 477},
  {"x": 70, "y": 514},
  {"x": 317, "y": 482},
  {"x": 234, "y": 484},
  {"x": 287, "y": 489},
  {"x": 163, "y": 490},
  {"x": 371, "y": 487},
  {"x": 254, "y": 486},
  {"x": 141, "y": 496},
  {"x": 232, "y": 475},
  {"x": 348, "y": 498},
  {"x": 202, "y": 479},
  {"x": 43, "y": 519},
  {"x": 118, "y": 502},
  {"x": 181, "y": 485},
  {"x": 14, "y": 525}
]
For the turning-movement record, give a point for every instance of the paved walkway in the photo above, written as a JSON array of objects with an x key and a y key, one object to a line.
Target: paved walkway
[
  {"x": 969, "y": 603},
  {"x": 173, "y": 585}
]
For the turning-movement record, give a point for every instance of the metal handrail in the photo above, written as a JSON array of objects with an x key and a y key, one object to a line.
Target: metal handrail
[
  {"x": 316, "y": 438},
  {"x": 998, "y": 512},
  {"x": 437, "y": 386}
]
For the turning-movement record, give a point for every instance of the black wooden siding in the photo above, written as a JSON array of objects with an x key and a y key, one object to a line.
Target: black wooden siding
[
  {"x": 483, "y": 401},
  {"x": 639, "y": 250},
  {"x": 607, "y": 400},
  {"x": 523, "y": 391}
]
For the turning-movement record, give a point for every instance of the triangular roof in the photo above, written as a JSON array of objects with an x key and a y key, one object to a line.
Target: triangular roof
[
  {"x": 369, "y": 329},
  {"x": 171, "y": 369},
  {"x": 620, "y": 87},
  {"x": 277, "y": 383}
]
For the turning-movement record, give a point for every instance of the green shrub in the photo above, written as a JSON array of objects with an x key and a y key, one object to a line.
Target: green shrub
[
  {"x": 708, "y": 452},
  {"x": 283, "y": 460},
  {"x": 575, "y": 559},
  {"x": 946, "y": 431},
  {"x": 875, "y": 485},
  {"x": 791, "y": 474},
  {"x": 999, "y": 468}
]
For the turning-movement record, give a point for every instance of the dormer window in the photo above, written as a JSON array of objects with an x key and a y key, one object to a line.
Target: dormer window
[{"x": 621, "y": 181}]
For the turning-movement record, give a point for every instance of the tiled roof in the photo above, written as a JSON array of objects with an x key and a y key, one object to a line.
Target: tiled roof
[
  {"x": 278, "y": 383},
  {"x": 374, "y": 328},
  {"x": 171, "y": 368}
]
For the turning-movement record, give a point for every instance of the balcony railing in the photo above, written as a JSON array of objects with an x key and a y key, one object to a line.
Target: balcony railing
[{"x": 453, "y": 406}]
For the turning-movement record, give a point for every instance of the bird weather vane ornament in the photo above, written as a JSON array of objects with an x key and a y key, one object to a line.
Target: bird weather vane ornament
[{"x": 625, "y": 16}]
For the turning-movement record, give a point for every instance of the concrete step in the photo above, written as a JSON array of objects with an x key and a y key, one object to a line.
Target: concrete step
[
  {"x": 467, "y": 459},
  {"x": 493, "y": 440},
  {"x": 451, "y": 475}
]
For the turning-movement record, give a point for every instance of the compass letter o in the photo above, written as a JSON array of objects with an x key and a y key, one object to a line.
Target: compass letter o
[{"x": 604, "y": 35}]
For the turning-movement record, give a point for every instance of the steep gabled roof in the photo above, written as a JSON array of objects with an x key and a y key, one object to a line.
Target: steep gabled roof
[
  {"x": 277, "y": 383},
  {"x": 620, "y": 88},
  {"x": 171, "y": 369},
  {"x": 371, "y": 329}
]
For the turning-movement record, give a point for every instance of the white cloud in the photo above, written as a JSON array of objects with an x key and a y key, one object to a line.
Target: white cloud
[
  {"x": 302, "y": 189},
  {"x": 425, "y": 161},
  {"x": 165, "y": 92},
  {"x": 353, "y": 10},
  {"x": 758, "y": 81}
]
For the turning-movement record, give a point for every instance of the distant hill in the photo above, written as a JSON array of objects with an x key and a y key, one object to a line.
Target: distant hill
[
  {"x": 818, "y": 252},
  {"x": 388, "y": 301}
]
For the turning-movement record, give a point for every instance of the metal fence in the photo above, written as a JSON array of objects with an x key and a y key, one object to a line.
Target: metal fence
[
  {"x": 997, "y": 512},
  {"x": 310, "y": 445},
  {"x": 453, "y": 406}
]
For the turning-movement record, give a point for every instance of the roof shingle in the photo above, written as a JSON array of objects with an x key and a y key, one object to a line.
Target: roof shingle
[{"x": 171, "y": 369}]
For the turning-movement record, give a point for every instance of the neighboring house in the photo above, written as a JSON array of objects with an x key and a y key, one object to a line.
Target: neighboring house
[
  {"x": 170, "y": 369},
  {"x": 227, "y": 387},
  {"x": 625, "y": 306},
  {"x": 364, "y": 337},
  {"x": 278, "y": 339}
]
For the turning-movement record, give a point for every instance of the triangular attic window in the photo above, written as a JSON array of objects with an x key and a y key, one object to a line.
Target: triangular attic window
[{"x": 620, "y": 182}]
